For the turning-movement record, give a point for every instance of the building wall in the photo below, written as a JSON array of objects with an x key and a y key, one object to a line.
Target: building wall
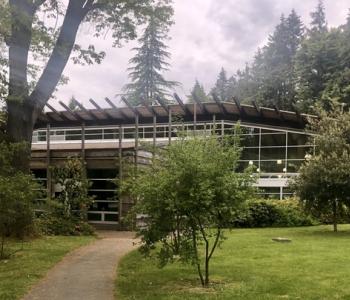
[{"x": 276, "y": 152}]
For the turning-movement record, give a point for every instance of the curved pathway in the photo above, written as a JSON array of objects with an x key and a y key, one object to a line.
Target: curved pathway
[{"x": 87, "y": 273}]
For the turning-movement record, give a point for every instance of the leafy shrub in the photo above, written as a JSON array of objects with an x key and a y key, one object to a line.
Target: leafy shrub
[
  {"x": 17, "y": 193},
  {"x": 54, "y": 222},
  {"x": 66, "y": 214},
  {"x": 272, "y": 213}
]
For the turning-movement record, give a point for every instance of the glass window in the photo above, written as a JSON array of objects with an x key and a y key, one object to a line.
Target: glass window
[
  {"x": 273, "y": 139},
  {"x": 273, "y": 153},
  {"x": 249, "y": 140},
  {"x": 272, "y": 166},
  {"x": 299, "y": 152},
  {"x": 250, "y": 154},
  {"x": 299, "y": 139}
]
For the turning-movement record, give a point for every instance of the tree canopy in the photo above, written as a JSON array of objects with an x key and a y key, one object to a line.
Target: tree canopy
[
  {"x": 40, "y": 37},
  {"x": 323, "y": 184},
  {"x": 300, "y": 67}
]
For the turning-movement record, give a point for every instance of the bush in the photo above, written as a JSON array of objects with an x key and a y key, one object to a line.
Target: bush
[
  {"x": 272, "y": 213},
  {"x": 17, "y": 194},
  {"x": 66, "y": 214},
  {"x": 53, "y": 222}
]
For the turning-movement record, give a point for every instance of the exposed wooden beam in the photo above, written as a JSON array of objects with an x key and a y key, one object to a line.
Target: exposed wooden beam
[
  {"x": 220, "y": 104},
  {"x": 58, "y": 113},
  {"x": 163, "y": 104},
  {"x": 109, "y": 101},
  {"x": 72, "y": 113},
  {"x": 182, "y": 105},
  {"x": 88, "y": 112},
  {"x": 145, "y": 103},
  {"x": 238, "y": 104},
  {"x": 132, "y": 108},
  {"x": 199, "y": 103},
  {"x": 257, "y": 108},
  {"x": 277, "y": 110},
  {"x": 101, "y": 110}
]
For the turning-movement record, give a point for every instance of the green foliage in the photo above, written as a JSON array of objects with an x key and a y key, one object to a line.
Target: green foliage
[
  {"x": 224, "y": 87},
  {"x": 272, "y": 213},
  {"x": 197, "y": 93},
  {"x": 323, "y": 184},
  {"x": 150, "y": 61},
  {"x": 299, "y": 68},
  {"x": 66, "y": 214},
  {"x": 17, "y": 194},
  {"x": 186, "y": 197}
]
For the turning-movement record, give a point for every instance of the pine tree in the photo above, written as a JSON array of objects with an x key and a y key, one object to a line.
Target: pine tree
[
  {"x": 318, "y": 23},
  {"x": 197, "y": 92},
  {"x": 273, "y": 71},
  {"x": 224, "y": 87},
  {"x": 72, "y": 104},
  {"x": 150, "y": 61}
]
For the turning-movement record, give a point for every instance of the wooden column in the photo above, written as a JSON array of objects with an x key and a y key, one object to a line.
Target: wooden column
[
  {"x": 120, "y": 160},
  {"x": 83, "y": 141},
  {"x": 154, "y": 134},
  {"x": 169, "y": 125},
  {"x": 48, "y": 163},
  {"x": 194, "y": 118},
  {"x": 136, "y": 139},
  {"x": 214, "y": 125}
]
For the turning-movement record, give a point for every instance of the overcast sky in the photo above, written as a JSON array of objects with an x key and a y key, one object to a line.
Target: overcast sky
[{"x": 207, "y": 35}]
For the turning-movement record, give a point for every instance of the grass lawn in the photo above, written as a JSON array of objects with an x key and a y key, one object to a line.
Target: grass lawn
[
  {"x": 27, "y": 266},
  {"x": 315, "y": 265}
]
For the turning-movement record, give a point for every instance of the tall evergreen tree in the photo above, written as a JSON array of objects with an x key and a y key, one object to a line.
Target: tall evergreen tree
[
  {"x": 197, "y": 92},
  {"x": 273, "y": 68},
  {"x": 150, "y": 61},
  {"x": 224, "y": 86},
  {"x": 318, "y": 22}
]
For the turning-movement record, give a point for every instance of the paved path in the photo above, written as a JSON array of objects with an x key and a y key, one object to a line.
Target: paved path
[{"x": 87, "y": 273}]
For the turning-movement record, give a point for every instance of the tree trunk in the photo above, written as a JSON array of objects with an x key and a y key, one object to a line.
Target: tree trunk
[
  {"x": 335, "y": 216},
  {"x": 206, "y": 281}
]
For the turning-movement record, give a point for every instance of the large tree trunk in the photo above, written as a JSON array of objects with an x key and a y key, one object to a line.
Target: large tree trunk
[{"x": 23, "y": 109}]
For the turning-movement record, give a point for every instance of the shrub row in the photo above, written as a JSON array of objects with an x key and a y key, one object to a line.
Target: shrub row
[{"x": 272, "y": 213}]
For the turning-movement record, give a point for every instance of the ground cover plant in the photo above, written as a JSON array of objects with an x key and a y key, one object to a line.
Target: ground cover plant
[
  {"x": 251, "y": 266},
  {"x": 31, "y": 261}
]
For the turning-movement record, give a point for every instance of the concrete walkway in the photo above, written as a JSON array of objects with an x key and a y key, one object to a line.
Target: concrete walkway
[{"x": 87, "y": 273}]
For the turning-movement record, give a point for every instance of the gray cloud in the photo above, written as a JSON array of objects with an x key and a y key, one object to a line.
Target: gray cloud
[{"x": 208, "y": 34}]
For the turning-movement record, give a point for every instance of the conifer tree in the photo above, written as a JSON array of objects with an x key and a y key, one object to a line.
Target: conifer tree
[
  {"x": 224, "y": 86},
  {"x": 197, "y": 92},
  {"x": 150, "y": 61},
  {"x": 319, "y": 23}
]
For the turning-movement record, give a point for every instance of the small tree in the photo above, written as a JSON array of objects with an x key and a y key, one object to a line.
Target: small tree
[
  {"x": 324, "y": 181},
  {"x": 187, "y": 196},
  {"x": 74, "y": 185}
]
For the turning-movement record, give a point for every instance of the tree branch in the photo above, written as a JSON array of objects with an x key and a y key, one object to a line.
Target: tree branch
[{"x": 52, "y": 73}]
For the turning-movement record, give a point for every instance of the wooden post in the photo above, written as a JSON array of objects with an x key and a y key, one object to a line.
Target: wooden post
[
  {"x": 136, "y": 139},
  {"x": 48, "y": 163},
  {"x": 120, "y": 160},
  {"x": 154, "y": 134},
  {"x": 194, "y": 118},
  {"x": 214, "y": 124},
  {"x": 83, "y": 141},
  {"x": 169, "y": 125}
]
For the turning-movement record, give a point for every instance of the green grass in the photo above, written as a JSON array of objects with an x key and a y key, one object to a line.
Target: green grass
[
  {"x": 249, "y": 265},
  {"x": 27, "y": 266}
]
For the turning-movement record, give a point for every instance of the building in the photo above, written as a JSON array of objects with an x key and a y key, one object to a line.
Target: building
[{"x": 274, "y": 141}]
